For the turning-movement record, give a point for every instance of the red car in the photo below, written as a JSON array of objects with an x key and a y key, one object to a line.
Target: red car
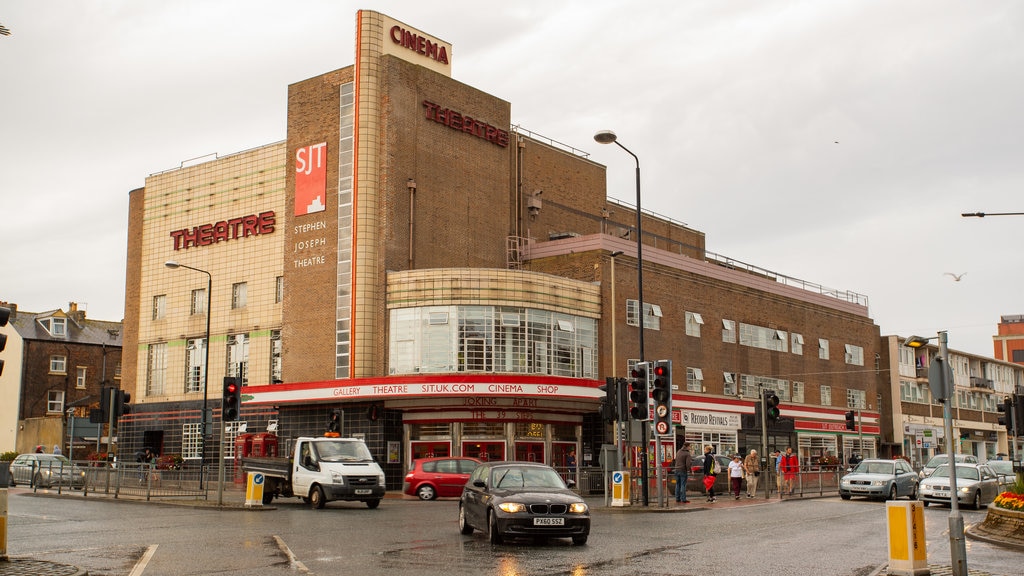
[{"x": 433, "y": 477}]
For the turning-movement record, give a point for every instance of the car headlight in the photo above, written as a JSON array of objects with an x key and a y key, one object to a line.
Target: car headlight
[
  {"x": 878, "y": 483},
  {"x": 337, "y": 477},
  {"x": 965, "y": 490},
  {"x": 578, "y": 508},
  {"x": 380, "y": 479},
  {"x": 512, "y": 507}
]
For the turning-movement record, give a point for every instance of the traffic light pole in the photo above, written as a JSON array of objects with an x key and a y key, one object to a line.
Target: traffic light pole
[{"x": 957, "y": 546}]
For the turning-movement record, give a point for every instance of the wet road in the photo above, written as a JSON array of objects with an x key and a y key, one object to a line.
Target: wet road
[{"x": 406, "y": 537}]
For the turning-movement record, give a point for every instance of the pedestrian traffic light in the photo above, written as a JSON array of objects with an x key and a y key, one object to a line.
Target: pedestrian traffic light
[
  {"x": 231, "y": 401},
  {"x": 121, "y": 402},
  {"x": 661, "y": 391},
  {"x": 1006, "y": 414},
  {"x": 1018, "y": 414},
  {"x": 771, "y": 406},
  {"x": 851, "y": 420},
  {"x": 5, "y": 315},
  {"x": 639, "y": 392}
]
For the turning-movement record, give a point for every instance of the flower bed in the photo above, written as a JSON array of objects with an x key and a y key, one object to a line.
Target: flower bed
[
  {"x": 1010, "y": 501},
  {"x": 1004, "y": 522}
]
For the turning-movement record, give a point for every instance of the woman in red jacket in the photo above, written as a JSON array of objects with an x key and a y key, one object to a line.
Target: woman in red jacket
[{"x": 789, "y": 466}]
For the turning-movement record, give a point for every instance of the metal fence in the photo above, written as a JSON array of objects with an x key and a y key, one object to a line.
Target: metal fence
[{"x": 132, "y": 479}]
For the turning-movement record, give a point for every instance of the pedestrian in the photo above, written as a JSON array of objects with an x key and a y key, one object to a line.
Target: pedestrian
[
  {"x": 752, "y": 464},
  {"x": 56, "y": 449},
  {"x": 789, "y": 467},
  {"x": 710, "y": 471},
  {"x": 777, "y": 457},
  {"x": 736, "y": 475},
  {"x": 683, "y": 463},
  {"x": 40, "y": 449}
]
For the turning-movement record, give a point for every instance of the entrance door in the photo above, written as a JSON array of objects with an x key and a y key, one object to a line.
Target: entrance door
[
  {"x": 530, "y": 452},
  {"x": 486, "y": 451},
  {"x": 430, "y": 449}
]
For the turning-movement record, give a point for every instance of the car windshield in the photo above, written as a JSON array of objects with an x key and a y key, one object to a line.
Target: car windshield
[
  {"x": 52, "y": 460},
  {"x": 1001, "y": 466},
  {"x": 875, "y": 468},
  {"x": 964, "y": 472},
  {"x": 937, "y": 461},
  {"x": 335, "y": 451},
  {"x": 526, "y": 477}
]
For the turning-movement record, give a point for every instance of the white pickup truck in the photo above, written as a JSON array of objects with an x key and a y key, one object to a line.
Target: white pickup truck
[{"x": 321, "y": 470}]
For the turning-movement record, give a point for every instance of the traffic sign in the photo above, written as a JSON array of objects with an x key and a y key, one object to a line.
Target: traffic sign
[{"x": 661, "y": 428}]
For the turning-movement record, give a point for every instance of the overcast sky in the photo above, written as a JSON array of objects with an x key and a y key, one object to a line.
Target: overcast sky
[{"x": 836, "y": 142}]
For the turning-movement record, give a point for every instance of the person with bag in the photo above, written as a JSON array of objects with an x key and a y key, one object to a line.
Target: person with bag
[
  {"x": 683, "y": 463},
  {"x": 736, "y": 475},
  {"x": 710, "y": 471},
  {"x": 752, "y": 464}
]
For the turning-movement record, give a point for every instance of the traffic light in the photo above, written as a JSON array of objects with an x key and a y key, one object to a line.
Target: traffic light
[
  {"x": 661, "y": 391},
  {"x": 771, "y": 406},
  {"x": 1018, "y": 413},
  {"x": 121, "y": 402},
  {"x": 1006, "y": 414},
  {"x": 610, "y": 402},
  {"x": 639, "y": 392},
  {"x": 231, "y": 401},
  {"x": 851, "y": 420},
  {"x": 5, "y": 315}
]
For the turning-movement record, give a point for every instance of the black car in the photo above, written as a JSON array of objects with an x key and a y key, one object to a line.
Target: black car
[{"x": 522, "y": 499}]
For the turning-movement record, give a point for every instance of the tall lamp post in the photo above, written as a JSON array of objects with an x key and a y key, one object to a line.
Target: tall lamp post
[
  {"x": 206, "y": 366},
  {"x": 940, "y": 380},
  {"x": 609, "y": 137}
]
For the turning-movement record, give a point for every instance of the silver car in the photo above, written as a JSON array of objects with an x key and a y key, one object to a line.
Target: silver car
[
  {"x": 940, "y": 459},
  {"x": 45, "y": 471},
  {"x": 976, "y": 485},
  {"x": 888, "y": 479}
]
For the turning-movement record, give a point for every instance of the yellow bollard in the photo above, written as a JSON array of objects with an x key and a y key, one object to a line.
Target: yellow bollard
[
  {"x": 905, "y": 528},
  {"x": 3, "y": 524},
  {"x": 254, "y": 490},
  {"x": 620, "y": 488}
]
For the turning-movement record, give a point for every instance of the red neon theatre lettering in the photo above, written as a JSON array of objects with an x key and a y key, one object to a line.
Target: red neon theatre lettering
[
  {"x": 463, "y": 123},
  {"x": 233, "y": 229}
]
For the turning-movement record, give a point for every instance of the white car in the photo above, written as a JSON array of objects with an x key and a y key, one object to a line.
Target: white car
[
  {"x": 879, "y": 478},
  {"x": 976, "y": 485},
  {"x": 940, "y": 459}
]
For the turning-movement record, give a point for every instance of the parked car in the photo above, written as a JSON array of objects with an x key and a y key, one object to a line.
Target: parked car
[
  {"x": 695, "y": 481},
  {"x": 45, "y": 471},
  {"x": 976, "y": 484},
  {"x": 522, "y": 499},
  {"x": 878, "y": 478},
  {"x": 1004, "y": 470},
  {"x": 433, "y": 477},
  {"x": 940, "y": 459}
]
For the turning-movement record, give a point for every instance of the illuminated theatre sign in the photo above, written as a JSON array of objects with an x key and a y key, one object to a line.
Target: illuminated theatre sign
[
  {"x": 462, "y": 123},
  {"x": 223, "y": 231}
]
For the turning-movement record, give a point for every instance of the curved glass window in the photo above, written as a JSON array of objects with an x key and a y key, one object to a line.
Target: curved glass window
[{"x": 444, "y": 339}]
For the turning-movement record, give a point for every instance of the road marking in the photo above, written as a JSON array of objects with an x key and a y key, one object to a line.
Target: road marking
[
  {"x": 140, "y": 566},
  {"x": 291, "y": 557}
]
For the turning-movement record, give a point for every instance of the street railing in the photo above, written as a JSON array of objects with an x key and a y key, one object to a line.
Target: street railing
[{"x": 143, "y": 480}]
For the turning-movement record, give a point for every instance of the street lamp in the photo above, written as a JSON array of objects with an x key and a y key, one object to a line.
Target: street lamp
[
  {"x": 609, "y": 137},
  {"x": 940, "y": 380},
  {"x": 206, "y": 368}
]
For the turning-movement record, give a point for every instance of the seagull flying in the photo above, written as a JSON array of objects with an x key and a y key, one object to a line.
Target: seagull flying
[{"x": 956, "y": 277}]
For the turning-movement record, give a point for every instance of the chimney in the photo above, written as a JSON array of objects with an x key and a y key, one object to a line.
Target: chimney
[{"x": 74, "y": 313}]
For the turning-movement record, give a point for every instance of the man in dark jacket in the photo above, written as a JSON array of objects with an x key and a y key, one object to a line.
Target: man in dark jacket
[
  {"x": 709, "y": 472},
  {"x": 684, "y": 461}
]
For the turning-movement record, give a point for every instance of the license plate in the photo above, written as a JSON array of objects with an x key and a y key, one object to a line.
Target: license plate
[
  {"x": 549, "y": 521},
  {"x": 940, "y": 494},
  {"x": 361, "y": 491}
]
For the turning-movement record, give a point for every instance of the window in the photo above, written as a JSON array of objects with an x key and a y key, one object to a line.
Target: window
[
  {"x": 856, "y": 399},
  {"x": 761, "y": 337},
  {"x": 798, "y": 392},
  {"x": 729, "y": 388},
  {"x": 729, "y": 331},
  {"x": 751, "y": 386},
  {"x": 796, "y": 344},
  {"x": 693, "y": 322},
  {"x": 199, "y": 302},
  {"x": 652, "y": 315},
  {"x": 275, "y": 357},
  {"x": 822, "y": 349},
  {"x": 195, "y": 364},
  {"x": 192, "y": 441},
  {"x": 231, "y": 431},
  {"x": 156, "y": 376},
  {"x": 55, "y": 401},
  {"x": 159, "y": 306},
  {"x": 58, "y": 365},
  {"x": 854, "y": 355},
  {"x": 694, "y": 380},
  {"x": 238, "y": 295},
  {"x": 117, "y": 371},
  {"x": 80, "y": 377},
  {"x": 54, "y": 326},
  {"x": 911, "y": 391},
  {"x": 238, "y": 357},
  {"x": 279, "y": 289},
  {"x": 826, "y": 395}
]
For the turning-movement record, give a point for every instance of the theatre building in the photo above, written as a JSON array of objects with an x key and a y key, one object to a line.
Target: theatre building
[{"x": 454, "y": 285}]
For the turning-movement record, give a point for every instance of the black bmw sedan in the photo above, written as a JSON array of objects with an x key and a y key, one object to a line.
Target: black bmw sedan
[{"x": 521, "y": 500}]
